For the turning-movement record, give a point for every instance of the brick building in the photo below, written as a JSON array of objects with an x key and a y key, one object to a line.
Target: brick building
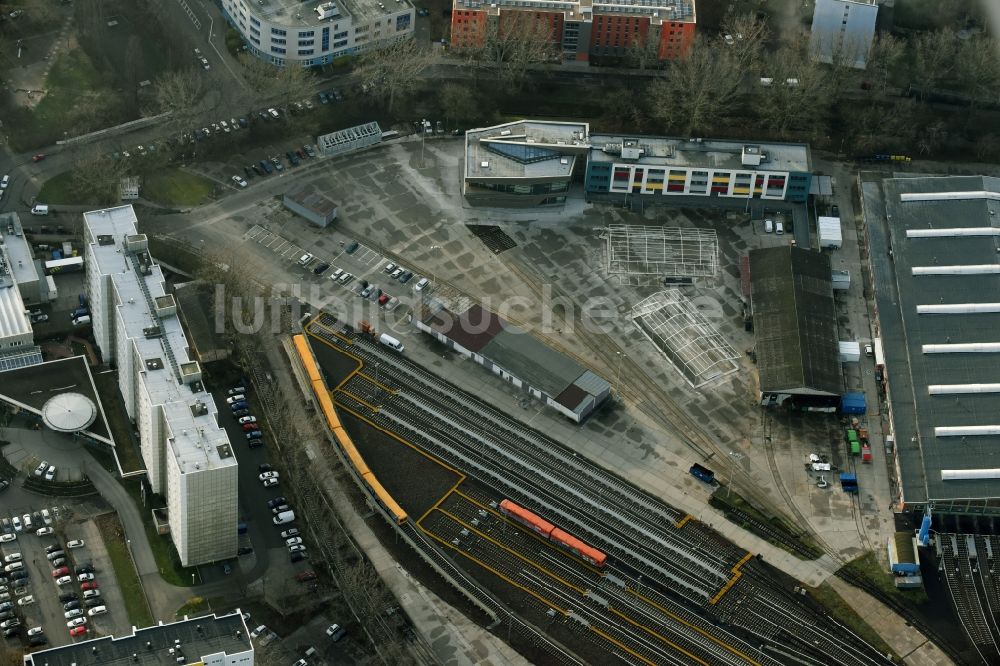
[{"x": 582, "y": 29}]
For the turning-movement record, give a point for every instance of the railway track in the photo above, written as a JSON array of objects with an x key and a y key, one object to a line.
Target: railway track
[{"x": 651, "y": 552}]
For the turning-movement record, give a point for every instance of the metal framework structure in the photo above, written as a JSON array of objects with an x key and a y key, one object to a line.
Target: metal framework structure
[
  {"x": 666, "y": 251},
  {"x": 681, "y": 333}
]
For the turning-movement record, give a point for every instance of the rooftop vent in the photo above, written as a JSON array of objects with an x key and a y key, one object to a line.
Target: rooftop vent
[
  {"x": 563, "y": 160},
  {"x": 505, "y": 132},
  {"x": 151, "y": 332},
  {"x": 631, "y": 150},
  {"x": 752, "y": 156},
  {"x": 136, "y": 243},
  {"x": 199, "y": 409},
  {"x": 154, "y": 364},
  {"x": 224, "y": 451},
  {"x": 327, "y": 10},
  {"x": 190, "y": 372},
  {"x": 485, "y": 164},
  {"x": 105, "y": 239},
  {"x": 166, "y": 306}
]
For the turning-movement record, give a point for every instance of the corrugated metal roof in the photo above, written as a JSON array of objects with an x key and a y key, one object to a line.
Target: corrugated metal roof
[{"x": 13, "y": 321}]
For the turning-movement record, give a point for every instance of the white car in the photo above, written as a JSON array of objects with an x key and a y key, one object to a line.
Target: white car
[
  {"x": 5, "y": 182},
  {"x": 64, "y": 580},
  {"x": 84, "y": 577},
  {"x": 204, "y": 63},
  {"x": 293, "y": 541},
  {"x": 239, "y": 181},
  {"x": 75, "y": 543},
  {"x": 91, "y": 594},
  {"x": 70, "y": 614},
  {"x": 50, "y": 475},
  {"x": 421, "y": 284},
  {"x": 34, "y": 631},
  {"x": 290, "y": 533},
  {"x": 26, "y": 519},
  {"x": 248, "y": 419},
  {"x": 46, "y": 517},
  {"x": 42, "y": 468},
  {"x": 273, "y": 112},
  {"x": 258, "y": 631},
  {"x": 97, "y": 610},
  {"x": 76, "y": 622},
  {"x": 43, "y": 531},
  {"x": 4, "y": 538},
  {"x": 268, "y": 475},
  {"x": 16, "y": 522},
  {"x": 390, "y": 267},
  {"x": 270, "y": 483},
  {"x": 26, "y": 601},
  {"x": 239, "y": 397},
  {"x": 13, "y": 557},
  {"x": 297, "y": 548},
  {"x": 225, "y": 126}
]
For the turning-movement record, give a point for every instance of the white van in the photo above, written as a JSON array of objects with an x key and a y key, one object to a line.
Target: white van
[
  {"x": 80, "y": 321},
  {"x": 768, "y": 226},
  {"x": 779, "y": 227},
  {"x": 392, "y": 342},
  {"x": 284, "y": 518},
  {"x": 40, "y": 209}
]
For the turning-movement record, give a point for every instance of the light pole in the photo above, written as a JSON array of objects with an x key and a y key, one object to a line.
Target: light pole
[{"x": 618, "y": 373}]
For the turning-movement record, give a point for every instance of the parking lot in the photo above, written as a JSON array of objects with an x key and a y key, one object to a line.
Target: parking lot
[
  {"x": 34, "y": 593},
  {"x": 353, "y": 268}
]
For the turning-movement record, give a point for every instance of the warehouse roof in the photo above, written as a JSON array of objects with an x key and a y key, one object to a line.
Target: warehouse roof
[
  {"x": 794, "y": 321},
  {"x": 518, "y": 353},
  {"x": 940, "y": 290}
]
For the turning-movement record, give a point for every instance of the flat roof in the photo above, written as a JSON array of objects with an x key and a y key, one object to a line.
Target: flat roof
[
  {"x": 794, "y": 321},
  {"x": 302, "y": 13},
  {"x": 31, "y": 387},
  {"x": 312, "y": 198},
  {"x": 197, "y": 638},
  {"x": 707, "y": 153},
  {"x": 194, "y": 435},
  {"x": 937, "y": 289},
  {"x": 682, "y": 11},
  {"x": 525, "y": 149},
  {"x": 21, "y": 259},
  {"x": 516, "y": 351}
]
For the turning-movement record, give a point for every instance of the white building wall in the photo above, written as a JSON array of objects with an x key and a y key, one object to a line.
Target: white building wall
[
  {"x": 124, "y": 355},
  {"x": 203, "y": 514},
  {"x": 843, "y": 29},
  {"x": 223, "y": 659},
  {"x": 267, "y": 37}
]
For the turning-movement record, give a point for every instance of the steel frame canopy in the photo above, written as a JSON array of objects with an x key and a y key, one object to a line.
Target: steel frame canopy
[
  {"x": 667, "y": 251},
  {"x": 681, "y": 333}
]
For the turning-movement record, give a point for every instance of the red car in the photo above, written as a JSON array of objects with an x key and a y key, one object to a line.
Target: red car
[
  {"x": 38, "y": 158},
  {"x": 61, "y": 571},
  {"x": 247, "y": 427},
  {"x": 383, "y": 299},
  {"x": 91, "y": 585},
  {"x": 78, "y": 631}
]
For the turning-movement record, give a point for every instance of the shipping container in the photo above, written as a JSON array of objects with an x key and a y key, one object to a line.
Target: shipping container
[
  {"x": 849, "y": 482},
  {"x": 853, "y": 403},
  {"x": 851, "y": 435},
  {"x": 703, "y": 473},
  {"x": 855, "y": 448},
  {"x": 850, "y": 352},
  {"x": 830, "y": 235}
]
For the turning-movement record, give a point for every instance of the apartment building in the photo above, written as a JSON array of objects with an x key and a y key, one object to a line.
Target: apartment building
[
  {"x": 291, "y": 32},
  {"x": 582, "y": 29},
  {"x": 188, "y": 455},
  {"x": 843, "y": 29}
]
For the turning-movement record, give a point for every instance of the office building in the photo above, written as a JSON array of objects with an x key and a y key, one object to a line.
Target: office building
[
  {"x": 843, "y": 30},
  {"x": 210, "y": 640},
  {"x": 620, "y": 167},
  {"x": 188, "y": 456},
  {"x": 579, "y": 30},
  {"x": 523, "y": 163},
  {"x": 292, "y": 32}
]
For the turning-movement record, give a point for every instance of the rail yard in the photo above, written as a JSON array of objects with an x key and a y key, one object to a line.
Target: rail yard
[{"x": 547, "y": 543}]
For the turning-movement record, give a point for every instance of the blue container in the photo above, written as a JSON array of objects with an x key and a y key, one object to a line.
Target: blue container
[
  {"x": 56, "y": 254},
  {"x": 853, "y": 403},
  {"x": 703, "y": 473}
]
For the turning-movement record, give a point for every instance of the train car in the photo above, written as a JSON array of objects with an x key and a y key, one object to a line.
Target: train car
[
  {"x": 578, "y": 548},
  {"x": 527, "y": 518},
  {"x": 385, "y": 499}
]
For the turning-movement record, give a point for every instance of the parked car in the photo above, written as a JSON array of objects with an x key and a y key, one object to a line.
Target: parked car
[
  {"x": 85, "y": 577},
  {"x": 268, "y": 475},
  {"x": 36, "y": 631},
  {"x": 297, "y": 557},
  {"x": 321, "y": 268},
  {"x": 233, "y": 399},
  {"x": 238, "y": 406},
  {"x": 65, "y": 580},
  {"x": 248, "y": 419},
  {"x": 241, "y": 412},
  {"x": 6, "y": 538},
  {"x": 90, "y": 594},
  {"x": 77, "y": 631},
  {"x": 237, "y": 390},
  {"x": 55, "y": 554},
  {"x": 26, "y": 600},
  {"x": 276, "y": 502},
  {"x": 239, "y": 181},
  {"x": 298, "y": 548},
  {"x": 292, "y": 541},
  {"x": 75, "y": 543},
  {"x": 50, "y": 474},
  {"x": 92, "y": 585},
  {"x": 13, "y": 557},
  {"x": 352, "y": 247},
  {"x": 256, "y": 434},
  {"x": 76, "y": 622},
  {"x": 60, "y": 572},
  {"x": 93, "y": 603},
  {"x": 53, "y": 548},
  {"x": 266, "y": 166},
  {"x": 84, "y": 568},
  {"x": 42, "y": 468},
  {"x": 405, "y": 277},
  {"x": 68, "y": 596},
  {"x": 44, "y": 531},
  {"x": 290, "y": 532},
  {"x": 70, "y": 605},
  {"x": 97, "y": 610}
]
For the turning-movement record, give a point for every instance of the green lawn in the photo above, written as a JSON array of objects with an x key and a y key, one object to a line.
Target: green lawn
[
  {"x": 173, "y": 187},
  {"x": 79, "y": 99},
  {"x": 118, "y": 422},
  {"x": 193, "y": 607},
  {"x": 136, "y": 604},
  {"x": 868, "y": 566},
  {"x": 167, "y": 559},
  {"x": 59, "y": 190}
]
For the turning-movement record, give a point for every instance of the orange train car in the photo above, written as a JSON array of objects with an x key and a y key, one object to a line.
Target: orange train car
[
  {"x": 527, "y": 518},
  {"x": 545, "y": 529}
]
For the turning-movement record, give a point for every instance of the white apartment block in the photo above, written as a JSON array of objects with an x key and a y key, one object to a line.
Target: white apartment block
[
  {"x": 293, "y": 32},
  {"x": 188, "y": 455},
  {"x": 843, "y": 29}
]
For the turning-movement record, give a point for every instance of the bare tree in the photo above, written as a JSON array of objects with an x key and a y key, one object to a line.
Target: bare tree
[
  {"x": 799, "y": 97},
  {"x": 96, "y": 176},
  {"x": 699, "y": 92},
  {"x": 179, "y": 91},
  {"x": 977, "y": 69},
  {"x": 643, "y": 52},
  {"x": 269, "y": 80},
  {"x": 392, "y": 71},
  {"x": 934, "y": 56},
  {"x": 459, "y": 103},
  {"x": 747, "y": 36},
  {"x": 885, "y": 55},
  {"x": 511, "y": 43}
]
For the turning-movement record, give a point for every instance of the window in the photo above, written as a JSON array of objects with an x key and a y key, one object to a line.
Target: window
[
  {"x": 305, "y": 52},
  {"x": 278, "y": 31},
  {"x": 342, "y": 42},
  {"x": 306, "y": 42},
  {"x": 310, "y": 33},
  {"x": 277, "y": 49},
  {"x": 277, "y": 40}
]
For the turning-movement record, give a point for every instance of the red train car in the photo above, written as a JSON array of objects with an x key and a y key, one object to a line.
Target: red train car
[
  {"x": 546, "y": 529},
  {"x": 577, "y": 547},
  {"x": 528, "y": 519}
]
